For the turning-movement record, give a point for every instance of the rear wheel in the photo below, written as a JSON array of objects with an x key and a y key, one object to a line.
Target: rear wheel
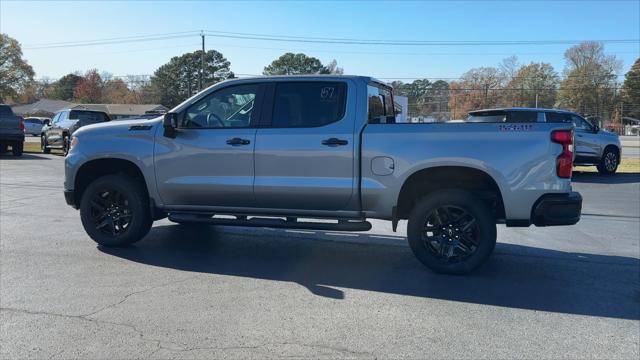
[
  {"x": 43, "y": 145},
  {"x": 609, "y": 162},
  {"x": 17, "y": 148},
  {"x": 114, "y": 210},
  {"x": 451, "y": 231}
]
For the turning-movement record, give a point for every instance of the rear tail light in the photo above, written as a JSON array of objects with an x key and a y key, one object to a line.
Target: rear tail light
[
  {"x": 564, "y": 162},
  {"x": 21, "y": 123}
]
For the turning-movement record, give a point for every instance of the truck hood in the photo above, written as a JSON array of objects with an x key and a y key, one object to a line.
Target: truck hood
[{"x": 115, "y": 127}]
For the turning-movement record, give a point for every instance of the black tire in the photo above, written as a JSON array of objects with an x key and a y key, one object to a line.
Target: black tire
[
  {"x": 115, "y": 199},
  {"x": 43, "y": 145},
  {"x": 65, "y": 145},
  {"x": 17, "y": 148},
  {"x": 465, "y": 222},
  {"x": 609, "y": 162}
]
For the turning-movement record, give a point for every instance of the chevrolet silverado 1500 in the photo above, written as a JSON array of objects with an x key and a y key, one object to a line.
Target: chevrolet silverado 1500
[{"x": 282, "y": 151}]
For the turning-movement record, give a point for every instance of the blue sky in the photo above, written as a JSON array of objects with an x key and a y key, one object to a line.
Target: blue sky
[{"x": 34, "y": 23}]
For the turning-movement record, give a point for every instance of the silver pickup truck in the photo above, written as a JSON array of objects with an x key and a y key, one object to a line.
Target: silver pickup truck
[{"x": 283, "y": 151}]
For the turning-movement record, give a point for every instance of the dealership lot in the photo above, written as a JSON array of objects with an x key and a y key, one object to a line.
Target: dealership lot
[{"x": 231, "y": 292}]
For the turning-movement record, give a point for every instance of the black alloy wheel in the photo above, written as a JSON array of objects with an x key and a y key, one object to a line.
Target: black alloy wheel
[
  {"x": 110, "y": 212},
  {"x": 451, "y": 233}
]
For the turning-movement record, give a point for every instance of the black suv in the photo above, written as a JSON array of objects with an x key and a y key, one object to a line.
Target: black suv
[{"x": 64, "y": 123}]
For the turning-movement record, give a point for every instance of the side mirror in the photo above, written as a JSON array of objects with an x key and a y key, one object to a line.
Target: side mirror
[
  {"x": 596, "y": 129},
  {"x": 170, "y": 124}
]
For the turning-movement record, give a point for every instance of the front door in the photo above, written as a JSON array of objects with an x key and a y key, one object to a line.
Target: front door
[
  {"x": 587, "y": 145},
  {"x": 304, "y": 152},
  {"x": 210, "y": 161},
  {"x": 54, "y": 132}
]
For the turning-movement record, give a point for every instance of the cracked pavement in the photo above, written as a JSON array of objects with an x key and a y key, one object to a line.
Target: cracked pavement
[{"x": 262, "y": 293}]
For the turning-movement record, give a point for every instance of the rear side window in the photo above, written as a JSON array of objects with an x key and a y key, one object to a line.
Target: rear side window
[
  {"x": 498, "y": 116},
  {"x": 381, "y": 109},
  {"x": 308, "y": 104},
  {"x": 553, "y": 117},
  {"x": 88, "y": 117},
  {"x": 492, "y": 116},
  {"x": 522, "y": 117}
]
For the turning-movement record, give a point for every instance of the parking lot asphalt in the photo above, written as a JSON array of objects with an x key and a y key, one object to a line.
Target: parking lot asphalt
[{"x": 570, "y": 292}]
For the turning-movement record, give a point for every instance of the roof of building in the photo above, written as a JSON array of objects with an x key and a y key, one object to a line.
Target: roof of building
[{"x": 42, "y": 106}]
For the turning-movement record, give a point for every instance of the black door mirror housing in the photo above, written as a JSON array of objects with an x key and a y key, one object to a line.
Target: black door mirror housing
[{"x": 170, "y": 124}]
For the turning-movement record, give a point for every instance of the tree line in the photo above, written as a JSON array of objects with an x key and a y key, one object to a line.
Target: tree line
[{"x": 588, "y": 83}]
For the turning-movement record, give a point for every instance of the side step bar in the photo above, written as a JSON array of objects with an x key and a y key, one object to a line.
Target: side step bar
[{"x": 289, "y": 223}]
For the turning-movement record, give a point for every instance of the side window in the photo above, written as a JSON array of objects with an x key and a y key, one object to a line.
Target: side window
[
  {"x": 230, "y": 107},
  {"x": 580, "y": 123},
  {"x": 308, "y": 104},
  {"x": 522, "y": 117},
  {"x": 381, "y": 109},
  {"x": 553, "y": 117}
]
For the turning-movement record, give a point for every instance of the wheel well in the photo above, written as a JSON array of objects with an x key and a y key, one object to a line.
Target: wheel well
[
  {"x": 426, "y": 181},
  {"x": 612, "y": 147},
  {"x": 94, "y": 169}
]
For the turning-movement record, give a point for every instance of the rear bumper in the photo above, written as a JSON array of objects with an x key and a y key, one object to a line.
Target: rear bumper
[
  {"x": 11, "y": 137},
  {"x": 557, "y": 209}
]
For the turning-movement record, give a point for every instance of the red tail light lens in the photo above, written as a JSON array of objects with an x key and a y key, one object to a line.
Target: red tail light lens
[
  {"x": 21, "y": 123},
  {"x": 564, "y": 162}
]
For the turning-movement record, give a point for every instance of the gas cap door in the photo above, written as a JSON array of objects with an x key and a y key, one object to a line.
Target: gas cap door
[{"x": 382, "y": 165}]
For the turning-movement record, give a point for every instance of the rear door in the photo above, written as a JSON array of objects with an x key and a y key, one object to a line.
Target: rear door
[
  {"x": 304, "y": 155},
  {"x": 210, "y": 161}
]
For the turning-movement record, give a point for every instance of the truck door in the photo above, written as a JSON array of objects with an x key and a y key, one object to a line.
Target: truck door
[
  {"x": 54, "y": 134},
  {"x": 304, "y": 153},
  {"x": 588, "y": 148},
  {"x": 210, "y": 161}
]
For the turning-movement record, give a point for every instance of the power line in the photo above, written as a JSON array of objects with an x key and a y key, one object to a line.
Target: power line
[
  {"x": 349, "y": 41},
  {"x": 308, "y": 39}
]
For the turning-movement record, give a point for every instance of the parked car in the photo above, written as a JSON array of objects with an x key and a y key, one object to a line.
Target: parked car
[
  {"x": 593, "y": 146},
  {"x": 58, "y": 134},
  {"x": 33, "y": 125},
  {"x": 11, "y": 131},
  {"x": 272, "y": 150}
]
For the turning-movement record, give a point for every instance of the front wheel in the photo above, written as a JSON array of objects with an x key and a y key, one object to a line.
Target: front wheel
[
  {"x": 43, "y": 145},
  {"x": 609, "y": 162},
  {"x": 451, "y": 231},
  {"x": 114, "y": 210},
  {"x": 66, "y": 144}
]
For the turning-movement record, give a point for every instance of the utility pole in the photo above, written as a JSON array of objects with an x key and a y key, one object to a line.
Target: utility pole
[
  {"x": 202, "y": 60},
  {"x": 536, "y": 99}
]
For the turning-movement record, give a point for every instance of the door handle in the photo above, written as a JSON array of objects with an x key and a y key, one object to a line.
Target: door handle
[
  {"x": 334, "y": 142},
  {"x": 237, "y": 141}
]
